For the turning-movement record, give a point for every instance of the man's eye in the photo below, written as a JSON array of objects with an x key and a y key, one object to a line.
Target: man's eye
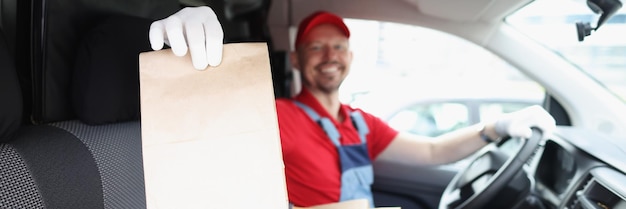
[
  {"x": 340, "y": 47},
  {"x": 315, "y": 48}
]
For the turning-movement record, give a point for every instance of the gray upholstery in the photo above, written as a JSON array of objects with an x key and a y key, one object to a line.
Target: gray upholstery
[
  {"x": 63, "y": 169},
  {"x": 117, "y": 152},
  {"x": 17, "y": 187},
  {"x": 73, "y": 165}
]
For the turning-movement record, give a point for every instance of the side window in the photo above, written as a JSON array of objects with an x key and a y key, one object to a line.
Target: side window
[
  {"x": 431, "y": 119},
  {"x": 442, "y": 76}
]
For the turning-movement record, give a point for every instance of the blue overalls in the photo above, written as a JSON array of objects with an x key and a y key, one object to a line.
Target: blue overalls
[{"x": 357, "y": 174}]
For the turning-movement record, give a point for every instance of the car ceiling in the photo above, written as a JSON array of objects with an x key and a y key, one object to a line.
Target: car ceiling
[
  {"x": 467, "y": 10},
  {"x": 445, "y": 15}
]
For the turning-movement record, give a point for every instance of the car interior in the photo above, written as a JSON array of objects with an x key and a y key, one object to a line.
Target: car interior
[{"x": 69, "y": 118}]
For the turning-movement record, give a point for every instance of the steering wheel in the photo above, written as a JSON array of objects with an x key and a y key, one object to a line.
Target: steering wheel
[{"x": 487, "y": 174}]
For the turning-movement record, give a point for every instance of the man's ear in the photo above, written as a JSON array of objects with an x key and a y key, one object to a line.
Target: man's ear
[
  {"x": 296, "y": 85},
  {"x": 293, "y": 58},
  {"x": 351, "y": 56}
]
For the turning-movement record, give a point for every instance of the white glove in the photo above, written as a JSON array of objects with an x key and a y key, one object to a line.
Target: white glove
[
  {"x": 519, "y": 123},
  {"x": 195, "y": 27}
]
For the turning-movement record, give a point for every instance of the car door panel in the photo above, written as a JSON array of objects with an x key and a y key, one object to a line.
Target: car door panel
[{"x": 410, "y": 187}]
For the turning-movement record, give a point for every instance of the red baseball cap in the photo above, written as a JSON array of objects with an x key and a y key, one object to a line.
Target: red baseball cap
[{"x": 318, "y": 18}]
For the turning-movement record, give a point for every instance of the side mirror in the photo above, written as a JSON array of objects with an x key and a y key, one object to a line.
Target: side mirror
[{"x": 606, "y": 9}]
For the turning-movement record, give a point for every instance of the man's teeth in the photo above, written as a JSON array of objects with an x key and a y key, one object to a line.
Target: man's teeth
[{"x": 330, "y": 70}]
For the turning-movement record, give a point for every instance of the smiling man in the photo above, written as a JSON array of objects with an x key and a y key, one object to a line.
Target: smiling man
[{"x": 328, "y": 146}]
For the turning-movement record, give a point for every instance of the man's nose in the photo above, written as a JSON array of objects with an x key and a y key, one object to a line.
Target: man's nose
[{"x": 330, "y": 53}]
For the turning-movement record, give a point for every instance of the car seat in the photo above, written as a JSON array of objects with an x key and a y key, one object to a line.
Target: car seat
[
  {"x": 65, "y": 164},
  {"x": 56, "y": 160},
  {"x": 17, "y": 187}
]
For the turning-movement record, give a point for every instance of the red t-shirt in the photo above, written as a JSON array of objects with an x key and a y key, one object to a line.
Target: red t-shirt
[{"x": 312, "y": 166}]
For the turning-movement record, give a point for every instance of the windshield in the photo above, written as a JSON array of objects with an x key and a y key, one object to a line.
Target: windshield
[{"x": 602, "y": 55}]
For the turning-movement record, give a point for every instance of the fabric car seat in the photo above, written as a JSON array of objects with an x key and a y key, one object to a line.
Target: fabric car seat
[
  {"x": 64, "y": 164},
  {"x": 59, "y": 161},
  {"x": 56, "y": 160}
]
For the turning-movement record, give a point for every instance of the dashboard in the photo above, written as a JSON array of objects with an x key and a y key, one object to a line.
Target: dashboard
[
  {"x": 557, "y": 168},
  {"x": 579, "y": 170}
]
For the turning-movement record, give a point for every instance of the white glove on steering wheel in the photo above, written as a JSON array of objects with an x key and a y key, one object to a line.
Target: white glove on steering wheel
[
  {"x": 195, "y": 27},
  {"x": 519, "y": 123}
]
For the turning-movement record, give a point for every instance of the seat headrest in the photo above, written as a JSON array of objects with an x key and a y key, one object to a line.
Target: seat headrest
[
  {"x": 106, "y": 75},
  {"x": 10, "y": 93},
  {"x": 56, "y": 29}
]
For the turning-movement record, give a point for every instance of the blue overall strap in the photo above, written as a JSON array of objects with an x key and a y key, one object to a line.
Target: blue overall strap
[
  {"x": 331, "y": 130},
  {"x": 360, "y": 125},
  {"x": 325, "y": 123},
  {"x": 357, "y": 174}
]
